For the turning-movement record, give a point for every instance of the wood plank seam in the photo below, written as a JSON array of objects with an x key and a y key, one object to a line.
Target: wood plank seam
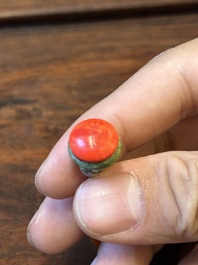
[{"x": 64, "y": 16}]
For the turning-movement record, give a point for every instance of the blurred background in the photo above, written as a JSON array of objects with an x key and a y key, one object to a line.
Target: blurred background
[{"x": 57, "y": 59}]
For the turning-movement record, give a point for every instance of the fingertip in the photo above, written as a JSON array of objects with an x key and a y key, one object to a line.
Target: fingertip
[
  {"x": 58, "y": 176},
  {"x": 108, "y": 205},
  {"x": 53, "y": 228},
  {"x": 114, "y": 254}
]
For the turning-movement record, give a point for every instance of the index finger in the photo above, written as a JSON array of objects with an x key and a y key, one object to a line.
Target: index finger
[{"x": 157, "y": 97}]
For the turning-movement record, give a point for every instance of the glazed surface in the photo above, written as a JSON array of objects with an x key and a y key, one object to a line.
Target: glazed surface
[{"x": 93, "y": 140}]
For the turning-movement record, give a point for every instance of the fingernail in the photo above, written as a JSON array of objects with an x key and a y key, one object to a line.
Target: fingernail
[
  {"x": 39, "y": 172},
  {"x": 94, "y": 261},
  {"x": 109, "y": 205},
  {"x": 34, "y": 219}
]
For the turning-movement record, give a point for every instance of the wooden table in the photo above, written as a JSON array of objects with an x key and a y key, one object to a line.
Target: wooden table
[{"x": 57, "y": 59}]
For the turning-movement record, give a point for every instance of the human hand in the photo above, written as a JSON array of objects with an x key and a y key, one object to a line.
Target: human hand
[{"x": 136, "y": 205}]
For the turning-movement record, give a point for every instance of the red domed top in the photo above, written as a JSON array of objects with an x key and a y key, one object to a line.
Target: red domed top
[{"x": 93, "y": 140}]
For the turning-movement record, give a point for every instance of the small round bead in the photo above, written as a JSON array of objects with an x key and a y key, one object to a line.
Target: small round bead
[{"x": 93, "y": 140}]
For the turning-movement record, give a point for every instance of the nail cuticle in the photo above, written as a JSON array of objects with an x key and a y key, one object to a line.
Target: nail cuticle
[{"x": 141, "y": 200}]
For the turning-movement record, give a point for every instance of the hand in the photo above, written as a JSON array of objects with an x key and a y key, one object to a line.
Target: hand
[{"x": 150, "y": 200}]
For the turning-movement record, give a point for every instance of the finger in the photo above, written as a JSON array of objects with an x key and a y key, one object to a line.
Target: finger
[
  {"x": 115, "y": 254},
  {"x": 149, "y": 200},
  {"x": 183, "y": 136},
  {"x": 53, "y": 228},
  {"x": 154, "y": 99},
  {"x": 192, "y": 258}
]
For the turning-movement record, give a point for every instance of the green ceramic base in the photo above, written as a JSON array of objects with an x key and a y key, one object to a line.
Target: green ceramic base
[{"x": 90, "y": 169}]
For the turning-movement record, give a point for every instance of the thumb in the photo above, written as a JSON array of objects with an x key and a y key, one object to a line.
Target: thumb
[{"x": 149, "y": 200}]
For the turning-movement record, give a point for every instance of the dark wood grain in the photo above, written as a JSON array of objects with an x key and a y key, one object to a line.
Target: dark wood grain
[
  {"x": 18, "y": 9},
  {"x": 48, "y": 77}
]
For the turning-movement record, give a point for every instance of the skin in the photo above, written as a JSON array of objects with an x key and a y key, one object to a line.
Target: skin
[{"x": 145, "y": 200}]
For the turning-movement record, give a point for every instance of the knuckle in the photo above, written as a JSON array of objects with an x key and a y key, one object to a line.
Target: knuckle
[{"x": 180, "y": 181}]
